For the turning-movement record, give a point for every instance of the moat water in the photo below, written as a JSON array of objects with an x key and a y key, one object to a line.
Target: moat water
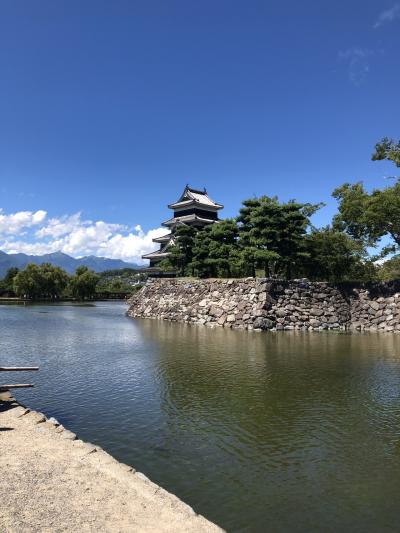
[{"x": 279, "y": 432}]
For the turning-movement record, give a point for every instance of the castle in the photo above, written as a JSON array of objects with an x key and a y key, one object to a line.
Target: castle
[{"x": 193, "y": 208}]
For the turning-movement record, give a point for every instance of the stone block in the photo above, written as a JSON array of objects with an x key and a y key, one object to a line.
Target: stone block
[
  {"x": 263, "y": 323},
  {"x": 221, "y": 320},
  {"x": 315, "y": 311},
  {"x": 374, "y": 305}
]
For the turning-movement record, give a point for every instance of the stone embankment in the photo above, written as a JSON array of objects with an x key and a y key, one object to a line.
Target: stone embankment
[
  {"x": 264, "y": 304},
  {"x": 52, "y": 481}
]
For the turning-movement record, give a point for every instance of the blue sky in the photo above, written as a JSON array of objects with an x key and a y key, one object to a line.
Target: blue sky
[{"x": 109, "y": 108}]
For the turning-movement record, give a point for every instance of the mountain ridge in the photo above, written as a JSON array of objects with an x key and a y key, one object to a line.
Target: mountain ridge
[{"x": 62, "y": 260}]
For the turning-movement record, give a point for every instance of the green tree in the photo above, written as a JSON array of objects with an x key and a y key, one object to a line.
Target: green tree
[
  {"x": 7, "y": 283},
  {"x": 273, "y": 233},
  {"x": 215, "y": 250},
  {"x": 387, "y": 149},
  {"x": 40, "y": 281},
  {"x": 53, "y": 280},
  {"x": 390, "y": 269},
  {"x": 181, "y": 252},
  {"x": 83, "y": 283},
  {"x": 369, "y": 216},
  {"x": 333, "y": 255},
  {"x": 28, "y": 283}
]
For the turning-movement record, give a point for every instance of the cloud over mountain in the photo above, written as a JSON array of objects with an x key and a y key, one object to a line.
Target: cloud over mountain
[{"x": 33, "y": 233}]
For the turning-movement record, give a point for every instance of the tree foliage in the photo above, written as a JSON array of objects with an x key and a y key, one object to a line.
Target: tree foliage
[
  {"x": 7, "y": 283},
  {"x": 83, "y": 283},
  {"x": 387, "y": 149},
  {"x": 181, "y": 251},
  {"x": 40, "y": 281},
  {"x": 390, "y": 269},
  {"x": 215, "y": 252},
  {"x": 332, "y": 255},
  {"x": 272, "y": 233},
  {"x": 369, "y": 216},
  {"x": 46, "y": 281}
]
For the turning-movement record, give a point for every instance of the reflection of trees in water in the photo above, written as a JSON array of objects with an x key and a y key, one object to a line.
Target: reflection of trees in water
[
  {"x": 268, "y": 388},
  {"x": 285, "y": 425}
]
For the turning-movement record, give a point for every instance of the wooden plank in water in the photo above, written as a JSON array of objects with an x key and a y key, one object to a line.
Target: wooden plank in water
[
  {"x": 16, "y": 386},
  {"x": 18, "y": 368}
]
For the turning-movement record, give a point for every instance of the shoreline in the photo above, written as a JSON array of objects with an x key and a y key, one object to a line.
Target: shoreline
[
  {"x": 52, "y": 480},
  {"x": 58, "y": 301}
]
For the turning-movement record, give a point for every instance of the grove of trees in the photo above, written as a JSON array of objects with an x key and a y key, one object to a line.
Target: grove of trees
[
  {"x": 49, "y": 282},
  {"x": 279, "y": 240},
  {"x": 40, "y": 281}
]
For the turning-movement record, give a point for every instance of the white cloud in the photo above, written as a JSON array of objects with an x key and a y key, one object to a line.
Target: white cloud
[
  {"x": 74, "y": 236},
  {"x": 120, "y": 246},
  {"x": 56, "y": 227},
  {"x": 14, "y": 223},
  {"x": 357, "y": 60},
  {"x": 388, "y": 15}
]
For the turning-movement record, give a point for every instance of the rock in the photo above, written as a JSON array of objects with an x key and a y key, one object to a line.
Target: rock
[
  {"x": 263, "y": 323},
  {"x": 316, "y": 311},
  {"x": 215, "y": 311},
  {"x": 35, "y": 417},
  {"x": 141, "y": 476},
  {"x": 87, "y": 447},
  {"x": 20, "y": 411},
  {"x": 221, "y": 320},
  {"x": 66, "y": 434}
]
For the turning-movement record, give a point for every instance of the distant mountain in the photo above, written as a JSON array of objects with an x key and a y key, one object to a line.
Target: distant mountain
[{"x": 68, "y": 263}]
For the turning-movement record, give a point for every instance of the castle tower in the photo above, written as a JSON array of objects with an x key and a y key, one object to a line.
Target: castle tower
[{"x": 193, "y": 208}]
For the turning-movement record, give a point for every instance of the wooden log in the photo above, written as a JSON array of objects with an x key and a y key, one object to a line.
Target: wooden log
[
  {"x": 18, "y": 368},
  {"x": 16, "y": 386}
]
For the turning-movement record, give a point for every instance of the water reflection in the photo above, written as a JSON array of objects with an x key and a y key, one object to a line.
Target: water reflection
[
  {"x": 285, "y": 431},
  {"x": 288, "y": 413}
]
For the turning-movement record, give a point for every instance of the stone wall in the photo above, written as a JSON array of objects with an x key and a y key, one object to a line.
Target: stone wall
[
  {"x": 374, "y": 306},
  {"x": 270, "y": 304}
]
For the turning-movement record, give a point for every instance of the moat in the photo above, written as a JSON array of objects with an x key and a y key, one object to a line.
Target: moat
[{"x": 269, "y": 431}]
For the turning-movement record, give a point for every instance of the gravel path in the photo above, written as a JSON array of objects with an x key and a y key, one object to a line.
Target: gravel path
[{"x": 50, "y": 482}]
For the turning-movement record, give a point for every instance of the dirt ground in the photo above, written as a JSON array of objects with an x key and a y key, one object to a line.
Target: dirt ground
[{"x": 52, "y": 482}]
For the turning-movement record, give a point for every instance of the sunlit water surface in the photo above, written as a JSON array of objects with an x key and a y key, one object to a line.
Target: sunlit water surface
[{"x": 257, "y": 431}]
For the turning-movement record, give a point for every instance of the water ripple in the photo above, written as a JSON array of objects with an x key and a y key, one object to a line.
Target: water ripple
[{"x": 278, "y": 432}]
